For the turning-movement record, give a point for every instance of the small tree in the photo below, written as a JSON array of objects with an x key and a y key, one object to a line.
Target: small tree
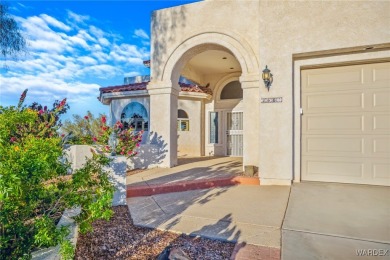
[
  {"x": 11, "y": 40},
  {"x": 96, "y": 131},
  {"x": 83, "y": 129},
  {"x": 35, "y": 187}
]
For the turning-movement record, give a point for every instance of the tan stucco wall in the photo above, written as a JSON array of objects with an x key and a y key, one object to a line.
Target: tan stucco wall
[
  {"x": 172, "y": 26},
  {"x": 270, "y": 33},
  {"x": 305, "y": 27},
  {"x": 190, "y": 142}
]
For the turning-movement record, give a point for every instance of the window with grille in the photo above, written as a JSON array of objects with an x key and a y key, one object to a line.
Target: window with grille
[
  {"x": 183, "y": 122},
  {"x": 135, "y": 116},
  {"x": 213, "y": 128}
]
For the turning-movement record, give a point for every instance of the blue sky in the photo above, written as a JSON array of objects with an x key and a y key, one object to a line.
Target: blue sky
[{"x": 76, "y": 47}]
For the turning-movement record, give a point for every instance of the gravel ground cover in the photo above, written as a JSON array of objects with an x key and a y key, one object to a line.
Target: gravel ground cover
[{"x": 120, "y": 239}]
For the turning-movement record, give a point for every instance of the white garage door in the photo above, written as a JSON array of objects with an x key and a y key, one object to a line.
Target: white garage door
[{"x": 346, "y": 124}]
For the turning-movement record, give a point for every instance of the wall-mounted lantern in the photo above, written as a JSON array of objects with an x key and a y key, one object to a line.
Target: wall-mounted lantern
[{"x": 267, "y": 77}]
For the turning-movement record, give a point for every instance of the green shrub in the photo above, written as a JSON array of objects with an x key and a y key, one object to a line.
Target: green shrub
[{"x": 35, "y": 187}]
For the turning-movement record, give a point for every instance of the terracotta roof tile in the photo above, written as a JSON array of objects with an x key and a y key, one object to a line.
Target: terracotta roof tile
[{"x": 142, "y": 86}]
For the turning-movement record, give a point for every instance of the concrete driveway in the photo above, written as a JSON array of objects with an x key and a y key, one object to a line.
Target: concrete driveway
[{"x": 337, "y": 221}]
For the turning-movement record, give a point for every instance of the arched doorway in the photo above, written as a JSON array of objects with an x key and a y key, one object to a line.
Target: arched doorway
[
  {"x": 217, "y": 68},
  {"x": 206, "y": 59}
]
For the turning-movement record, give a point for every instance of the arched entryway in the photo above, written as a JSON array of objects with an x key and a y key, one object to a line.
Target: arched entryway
[{"x": 207, "y": 59}]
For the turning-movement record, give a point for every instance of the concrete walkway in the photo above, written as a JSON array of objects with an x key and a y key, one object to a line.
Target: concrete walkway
[
  {"x": 251, "y": 214},
  {"x": 189, "y": 169},
  {"x": 333, "y": 221}
]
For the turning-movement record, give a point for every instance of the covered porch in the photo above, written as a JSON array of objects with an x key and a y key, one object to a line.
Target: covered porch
[{"x": 191, "y": 173}]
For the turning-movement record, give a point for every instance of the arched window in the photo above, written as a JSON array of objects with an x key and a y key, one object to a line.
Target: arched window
[
  {"x": 232, "y": 90},
  {"x": 181, "y": 114},
  {"x": 183, "y": 122},
  {"x": 135, "y": 116}
]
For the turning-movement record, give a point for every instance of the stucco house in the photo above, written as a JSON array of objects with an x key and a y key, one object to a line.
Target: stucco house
[{"x": 322, "y": 113}]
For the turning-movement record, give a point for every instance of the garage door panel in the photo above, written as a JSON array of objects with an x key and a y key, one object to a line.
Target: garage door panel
[
  {"x": 335, "y": 145},
  {"x": 333, "y": 167},
  {"x": 381, "y": 171},
  {"x": 381, "y": 74},
  {"x": 381, "y": 122},
  {"x": 333, "y": 124},
  {"x": 333, "y": 79},
  {"x": 340, "y": 101},
  {"x": 381, "y": 146},
  {"x": 350, "y": 170},
  {"x": 346, "y": 124},
  {"x": 347, "y": 146},
  {"x": 381, "y": 100}
]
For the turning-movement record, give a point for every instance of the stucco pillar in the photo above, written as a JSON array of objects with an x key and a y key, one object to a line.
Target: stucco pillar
[
  {"x": 163, "y": 122},
  {"x": 251, "y": 99}
]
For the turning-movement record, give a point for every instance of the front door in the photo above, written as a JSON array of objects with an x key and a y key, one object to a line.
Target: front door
[{"x": 234, "y": 133}]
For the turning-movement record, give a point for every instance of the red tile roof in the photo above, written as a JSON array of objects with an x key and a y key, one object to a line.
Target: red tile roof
[
  {"x": 121, "y": 88},
  {"x": 142, "y": 86}
]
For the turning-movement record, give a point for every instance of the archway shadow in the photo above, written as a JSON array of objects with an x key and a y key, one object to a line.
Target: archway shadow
[{"x": 151, "y": 153}]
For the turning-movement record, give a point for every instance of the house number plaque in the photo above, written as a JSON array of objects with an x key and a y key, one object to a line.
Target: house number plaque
[{"x": 272, "y": 100}]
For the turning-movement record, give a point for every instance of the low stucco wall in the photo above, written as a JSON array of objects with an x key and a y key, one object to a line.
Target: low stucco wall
[
  {"x": 77, "y": 156},
  {"x": 53, "y": 253}
]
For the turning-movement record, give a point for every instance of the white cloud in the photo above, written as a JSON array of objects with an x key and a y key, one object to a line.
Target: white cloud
[
  {"x": 125, "y": 51},
  {"x": 104, "y": 41},
  {"x": 78, "y": 41},
  {"x": 67, "y": 59},
  {"x": 102, "y": 71},
  {"x": 98, "y": 33},
  {"x": 131, "y": 74},
  {"x": 54, "y": 22},
  {"x": 87, "y": 60},
  {"x": 77, "y": 17},
  {"x": 139, "y": 33},
  {"x": 86, "y": 36}
]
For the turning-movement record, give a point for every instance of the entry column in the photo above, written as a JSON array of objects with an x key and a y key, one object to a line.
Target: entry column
[
  {"x": 163, "y": 122},
  {"x": 251, "y": 97}
]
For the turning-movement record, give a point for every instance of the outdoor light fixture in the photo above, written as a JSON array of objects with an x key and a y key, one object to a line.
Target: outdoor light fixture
[
  {"x": 112, "y": 142},
  {"x": 267, "y": 77}
]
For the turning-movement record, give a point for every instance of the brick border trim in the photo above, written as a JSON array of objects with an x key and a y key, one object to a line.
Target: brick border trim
[{"x": 149, "y": 190}]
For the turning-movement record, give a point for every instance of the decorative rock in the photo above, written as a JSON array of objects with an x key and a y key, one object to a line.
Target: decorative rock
[
  {"x": 165, "y": 254},
  {"x": 178, "y": 254}
]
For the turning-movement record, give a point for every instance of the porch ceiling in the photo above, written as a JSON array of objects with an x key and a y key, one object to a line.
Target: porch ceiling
[{"x": 215, "y": 61}]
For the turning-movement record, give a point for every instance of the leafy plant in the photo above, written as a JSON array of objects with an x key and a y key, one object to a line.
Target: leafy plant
[
  {"x": 96, "y": 131},
  {"x": 35, "y": 187},
  {"x": 82, "y": 129}
]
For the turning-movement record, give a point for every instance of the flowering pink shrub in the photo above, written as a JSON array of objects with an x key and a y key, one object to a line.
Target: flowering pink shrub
[{"x": 127, "y": 139}]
